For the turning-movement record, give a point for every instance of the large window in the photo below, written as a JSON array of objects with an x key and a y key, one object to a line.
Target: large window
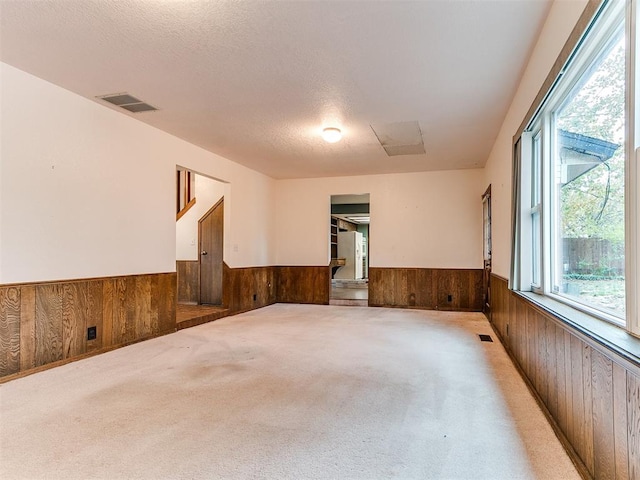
[
  {"x": 588, "y": 185},
  {"x": 575, "y": 186}
]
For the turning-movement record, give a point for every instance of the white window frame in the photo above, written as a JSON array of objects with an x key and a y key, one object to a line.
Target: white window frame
[
  {"x": 536, "y": 209},
  {"x": 632, "y": 171},
  {"x": 596, "y": 38}
]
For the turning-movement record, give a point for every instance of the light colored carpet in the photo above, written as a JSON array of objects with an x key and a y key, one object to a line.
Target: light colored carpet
[{"x": 286, "y": 392}]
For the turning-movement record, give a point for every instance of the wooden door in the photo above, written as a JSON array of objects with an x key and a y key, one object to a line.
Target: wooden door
[{"x": 210, "y": 233}]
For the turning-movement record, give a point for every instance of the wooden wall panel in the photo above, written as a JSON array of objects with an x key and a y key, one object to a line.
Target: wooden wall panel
[
  {"x": 541, "y": 367},
  {"x": 577, "y": 397},
  {"x": 45, "y": 324},
  {"x": 531, "y": 345},
  {"x": 633, "y": 418},
  {"x": 94, "y": 314},
  {"x": 74, "y": 319},
  {"x": 27, "y": 327},
  {"x": 602, "y": 385},
  {"x": 10, "y": 305},
  {"x": 459, "y": 290},
  {"x": 306, "y": 284},
  {"x": 591, "y": 394},
  {"x": 266, "y": 278},
  {"x": 120, "y": 334},
  {"x": 426, "y": 288},
  {"x": 376, "y": 291},
  {"x": 248, "y": 288},
  {"x": 48, "y": 323},
  {"x": 432, "y": 289},
  {"x": 588, "y": 457},
  {"x": 132, "y": 315},
  {"x": 130, "y": 292},
  {"x": 108, "y": 298},
  {"x": 568, "y": 406},
  {"x": 620, "y": 422},
  {"x": 163, "y": 304},
  {"x": 142, "y": 309},
  {"x": 561, "y": 378},
  {"x": 188, "y": 273},
  {"x": 498, "y": 310},
  {"x": 552, "y": 368},
  {"x": 512, "y": 307}
]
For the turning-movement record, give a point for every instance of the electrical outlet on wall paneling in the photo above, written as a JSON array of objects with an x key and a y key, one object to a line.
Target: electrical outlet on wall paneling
[{"x": 92, "y": 333}]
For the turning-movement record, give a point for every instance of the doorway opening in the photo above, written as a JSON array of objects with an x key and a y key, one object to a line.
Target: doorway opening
[
  {"x": 349, "y": 246},
  {"x": 200, "y": 219},
  {"x": 486, "y": 251}
]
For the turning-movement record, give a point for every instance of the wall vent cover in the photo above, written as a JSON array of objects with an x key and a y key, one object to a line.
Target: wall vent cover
[
  {"x": 128, "y": 102},
  {"x": 485, "y": 338}
]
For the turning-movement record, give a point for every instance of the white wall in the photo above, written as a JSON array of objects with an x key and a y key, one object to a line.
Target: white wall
[
  {"x": 430, "y": 219},
  {"x": 1, "y": 150},
  {"x": 88, "y": 192},
  {"x": 71, "y": 173},
  {"x": 560, "y": 22},
  {"x": 207, "y": 193}
]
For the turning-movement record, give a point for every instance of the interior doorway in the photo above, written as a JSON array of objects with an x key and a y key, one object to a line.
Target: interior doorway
[
  {"x": 349, "y": 247},
  {"x": 486, "y": 250},
  {"x": 200, "y": 219}
]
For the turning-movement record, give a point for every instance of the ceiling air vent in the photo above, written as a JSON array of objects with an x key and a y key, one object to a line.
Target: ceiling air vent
[{"x": 128, "y": 102}]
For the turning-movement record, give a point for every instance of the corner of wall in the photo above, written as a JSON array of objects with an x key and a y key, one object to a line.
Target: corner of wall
[{"x": 557, "y": 27}]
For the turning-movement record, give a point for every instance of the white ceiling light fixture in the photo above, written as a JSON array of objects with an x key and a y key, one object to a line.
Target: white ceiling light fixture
[{"x": 331, "y": 134}]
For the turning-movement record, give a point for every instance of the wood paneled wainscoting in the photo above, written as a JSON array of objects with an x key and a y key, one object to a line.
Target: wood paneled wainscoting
[
  {"x": 427, "y": 288},
  {"x": 303, "y": 284},
  {"x": 188, "y": 272},
  {"x": 590, "y": 391},
  {"x": 248, "y": 288},
  {"x": 46, "y": 324}
]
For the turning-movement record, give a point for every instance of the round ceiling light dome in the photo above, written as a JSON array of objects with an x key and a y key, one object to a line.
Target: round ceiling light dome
[{"x": 331, "y": 134}]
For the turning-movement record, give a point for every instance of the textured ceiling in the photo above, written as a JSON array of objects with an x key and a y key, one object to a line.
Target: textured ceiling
[{"x": 256, "y": 82}]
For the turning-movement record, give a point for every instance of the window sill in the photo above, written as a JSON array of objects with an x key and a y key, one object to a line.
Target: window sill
[{"x": 613, "y": 338}]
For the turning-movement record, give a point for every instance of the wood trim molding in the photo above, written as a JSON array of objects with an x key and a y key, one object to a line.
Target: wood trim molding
[
  {"x": 186, "y": 208},
  {"x": 215, "y": 205},
  {"x": 78, "y": 280},
  {"x": 500, "y": 277}
]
